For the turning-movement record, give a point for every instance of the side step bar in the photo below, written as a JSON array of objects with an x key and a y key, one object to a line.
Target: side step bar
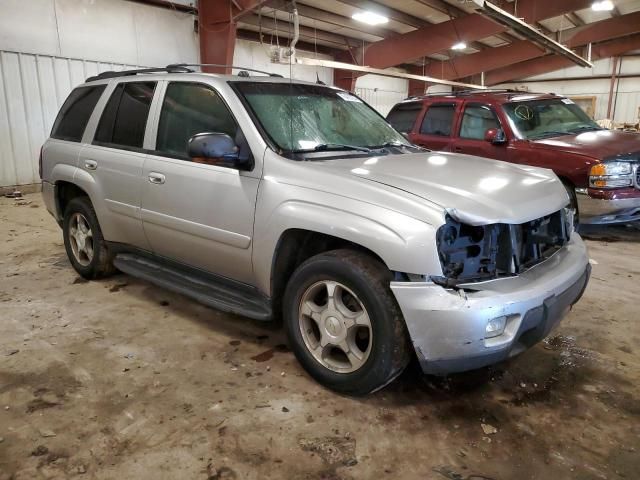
[{"x": 222, "y": 294}]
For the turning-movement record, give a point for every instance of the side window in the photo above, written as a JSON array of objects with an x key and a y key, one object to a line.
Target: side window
[
  {"x": 477, "y": 119},
  {"x": 190, "y": 108},
  {"x": 75, "y": 112},
  {"x": 438, "y": 120},
  {"x": 124, "y": 118},
  {"x": 402, "y": 117}
]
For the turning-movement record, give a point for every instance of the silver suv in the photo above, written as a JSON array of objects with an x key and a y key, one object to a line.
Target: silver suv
[{"x": 272, "y": 198}]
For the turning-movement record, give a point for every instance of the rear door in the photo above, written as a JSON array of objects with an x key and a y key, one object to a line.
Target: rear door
[
  {"x": 198, "y": 214},
  {"x": 476, "y": 119},
  {"x": 115, "y": 159},
  {"x": 436, "y": 127}
]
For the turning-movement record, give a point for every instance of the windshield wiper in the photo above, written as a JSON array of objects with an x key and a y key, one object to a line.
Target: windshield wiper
[
  {"x": 323, "y": 147},
  {"x": 585, "y": 128},
  {"x": 550, "y": 133}
]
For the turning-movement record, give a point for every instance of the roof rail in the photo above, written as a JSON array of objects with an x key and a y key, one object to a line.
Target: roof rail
[
  {"x": 125, "y": 73},
  {"x": 245, "y": 69},
  {"x": 174, "y": 68},
  {"x": 465, "y": 92}
]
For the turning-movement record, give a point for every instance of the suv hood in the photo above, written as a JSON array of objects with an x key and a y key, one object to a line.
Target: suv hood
[
  {"x": 600, "y": 144},
  {"x": 473, "y": 190}
]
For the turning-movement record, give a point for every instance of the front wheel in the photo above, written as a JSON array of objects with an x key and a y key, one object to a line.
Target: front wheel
[{"x": 344, "y": 324}]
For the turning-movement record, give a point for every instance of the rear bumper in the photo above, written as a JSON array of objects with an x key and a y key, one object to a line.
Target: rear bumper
[
  {"x": 604, "y": 211},
  {"x": 447, "y": 328}
]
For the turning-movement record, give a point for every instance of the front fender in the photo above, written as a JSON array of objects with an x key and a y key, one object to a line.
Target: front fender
[{"x": 405, "y": 244}]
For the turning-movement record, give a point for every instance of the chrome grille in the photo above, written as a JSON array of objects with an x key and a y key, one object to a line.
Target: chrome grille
[{"x": 637, "y": 176}]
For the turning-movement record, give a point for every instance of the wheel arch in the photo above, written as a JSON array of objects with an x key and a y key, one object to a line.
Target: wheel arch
[{"x": 296, "y": 245}]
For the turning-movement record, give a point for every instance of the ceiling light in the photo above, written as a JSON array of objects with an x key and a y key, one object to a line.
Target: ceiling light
[
  {"x": 602, "y": 6},
  {"x": 369, "y": 18},
  {"x": 459, "y": 46}
]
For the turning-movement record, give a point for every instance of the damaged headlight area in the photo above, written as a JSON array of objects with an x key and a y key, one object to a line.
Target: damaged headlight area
[{"x": 476, "y": 253}]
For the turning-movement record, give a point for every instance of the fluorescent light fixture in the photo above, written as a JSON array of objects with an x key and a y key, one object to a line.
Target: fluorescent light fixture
[
  {"x": 369, "y": 18},
  {"x": 602, "y": 6},
  {"x": 459, "y": 46},
  {"x": 505, "y": 19}
]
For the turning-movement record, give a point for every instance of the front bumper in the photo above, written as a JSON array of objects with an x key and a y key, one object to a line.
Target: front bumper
[
  {"x": 605, "y": 211},
  {"x": 447, "y": 328}
]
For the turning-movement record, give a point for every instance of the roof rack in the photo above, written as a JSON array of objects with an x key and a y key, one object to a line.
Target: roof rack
[
  {"x": 243, "y": 69},
  {"x": 125, "y": 73},
  {"x": 461, "y": 93},
  {"x": 175, "y": 68}
]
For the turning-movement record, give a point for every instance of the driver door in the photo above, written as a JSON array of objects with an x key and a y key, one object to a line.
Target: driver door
[
  {"x": 476, "y": 119},
  {"x": 197, "y": 214}
]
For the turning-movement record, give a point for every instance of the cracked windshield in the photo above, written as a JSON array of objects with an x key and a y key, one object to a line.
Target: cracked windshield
[
  {"x": 307, "y": 118},
  {"x": 548, "y": 118}
]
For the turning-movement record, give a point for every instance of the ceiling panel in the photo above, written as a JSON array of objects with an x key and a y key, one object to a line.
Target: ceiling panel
[
  {"x": 416, "y": 9},
  {"x": 282, "y": 16}
]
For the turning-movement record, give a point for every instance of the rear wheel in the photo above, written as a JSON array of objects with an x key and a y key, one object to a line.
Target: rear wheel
[
  {"x": 83, "y": 240},
  {"x": 343, "y": 322}
]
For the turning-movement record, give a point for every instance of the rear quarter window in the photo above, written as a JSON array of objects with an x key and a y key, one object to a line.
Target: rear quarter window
[
  {"x": 75, "y": 112},
  {"x": 403, "y": 117}
]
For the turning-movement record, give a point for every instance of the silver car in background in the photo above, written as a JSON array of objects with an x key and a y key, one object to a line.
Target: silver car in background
[{"x": 272, "y": 198}]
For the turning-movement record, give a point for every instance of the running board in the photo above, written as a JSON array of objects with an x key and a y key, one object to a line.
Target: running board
[{"x": 222, "y": 294}]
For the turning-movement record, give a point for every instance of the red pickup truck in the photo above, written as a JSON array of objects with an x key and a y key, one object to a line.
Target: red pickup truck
[{"x": 599, "y": 167}]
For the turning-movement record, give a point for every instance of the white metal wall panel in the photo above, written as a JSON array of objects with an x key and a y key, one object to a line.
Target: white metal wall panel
[
  {"x": 32, "y": 90},
  {"x": 382, "y": 100}
]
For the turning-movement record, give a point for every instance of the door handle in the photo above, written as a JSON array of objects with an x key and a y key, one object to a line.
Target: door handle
[
  {"x": 156, "y": 178},
  {"x": 90, "y": 164},
  {"x": 457, "y": 149}
]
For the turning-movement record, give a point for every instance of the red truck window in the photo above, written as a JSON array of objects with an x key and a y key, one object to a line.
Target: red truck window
[
  {"x": 477, "y": 119},
  {"x": 438, "y": 120}
]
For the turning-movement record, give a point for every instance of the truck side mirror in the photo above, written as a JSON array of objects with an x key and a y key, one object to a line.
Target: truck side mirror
[
  {"x": 214, "y": 146},
  {"x": 495, "y": 136}
]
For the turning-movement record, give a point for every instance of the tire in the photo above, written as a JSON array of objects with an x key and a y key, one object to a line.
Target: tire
[
  {"x": 573, "y": 202},
  {"x": 89, "y": 257},
  {"x": 378, "y": 352}
]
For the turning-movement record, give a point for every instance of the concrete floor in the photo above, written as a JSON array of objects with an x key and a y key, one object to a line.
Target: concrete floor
[{"x": 120, "y": 379}]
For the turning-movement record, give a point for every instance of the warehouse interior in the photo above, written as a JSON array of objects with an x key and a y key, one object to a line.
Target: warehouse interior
[{"x": 118, "y": 377}]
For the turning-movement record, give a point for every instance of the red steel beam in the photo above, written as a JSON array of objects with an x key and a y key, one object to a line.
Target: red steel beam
[
  {"x": 497, "y": 57},
  {"x": 242, "y": 7},
  {"x": 435, "y": 38},
  {"x": 217, "y": 34},
  {"x": 602, "y": 30},
  {"x": 523, "y": 50},
  {"x": 550, "y": 63},
  {"x": 217, "y": 20}
]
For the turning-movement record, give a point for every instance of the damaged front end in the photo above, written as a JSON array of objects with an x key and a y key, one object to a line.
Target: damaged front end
[
  {"x": 504, "y": 288},
  {"x": 473, "y": 253}
]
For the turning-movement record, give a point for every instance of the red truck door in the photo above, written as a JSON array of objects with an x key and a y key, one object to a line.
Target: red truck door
[
  {"x": 435, "y": 128},
  {"x": 471, "y": 132}
]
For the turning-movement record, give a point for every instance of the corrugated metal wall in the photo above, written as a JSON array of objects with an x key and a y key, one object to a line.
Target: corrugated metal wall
[{"x": 32, "y": 89}]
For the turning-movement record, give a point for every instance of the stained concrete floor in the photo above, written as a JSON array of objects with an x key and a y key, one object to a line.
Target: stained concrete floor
[{"x": 120, "y": 379}]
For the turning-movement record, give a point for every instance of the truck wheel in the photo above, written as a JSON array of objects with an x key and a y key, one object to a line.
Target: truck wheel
[
  {"x": 83, "y": 241},
  {"x": 344, "y": 324}
]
